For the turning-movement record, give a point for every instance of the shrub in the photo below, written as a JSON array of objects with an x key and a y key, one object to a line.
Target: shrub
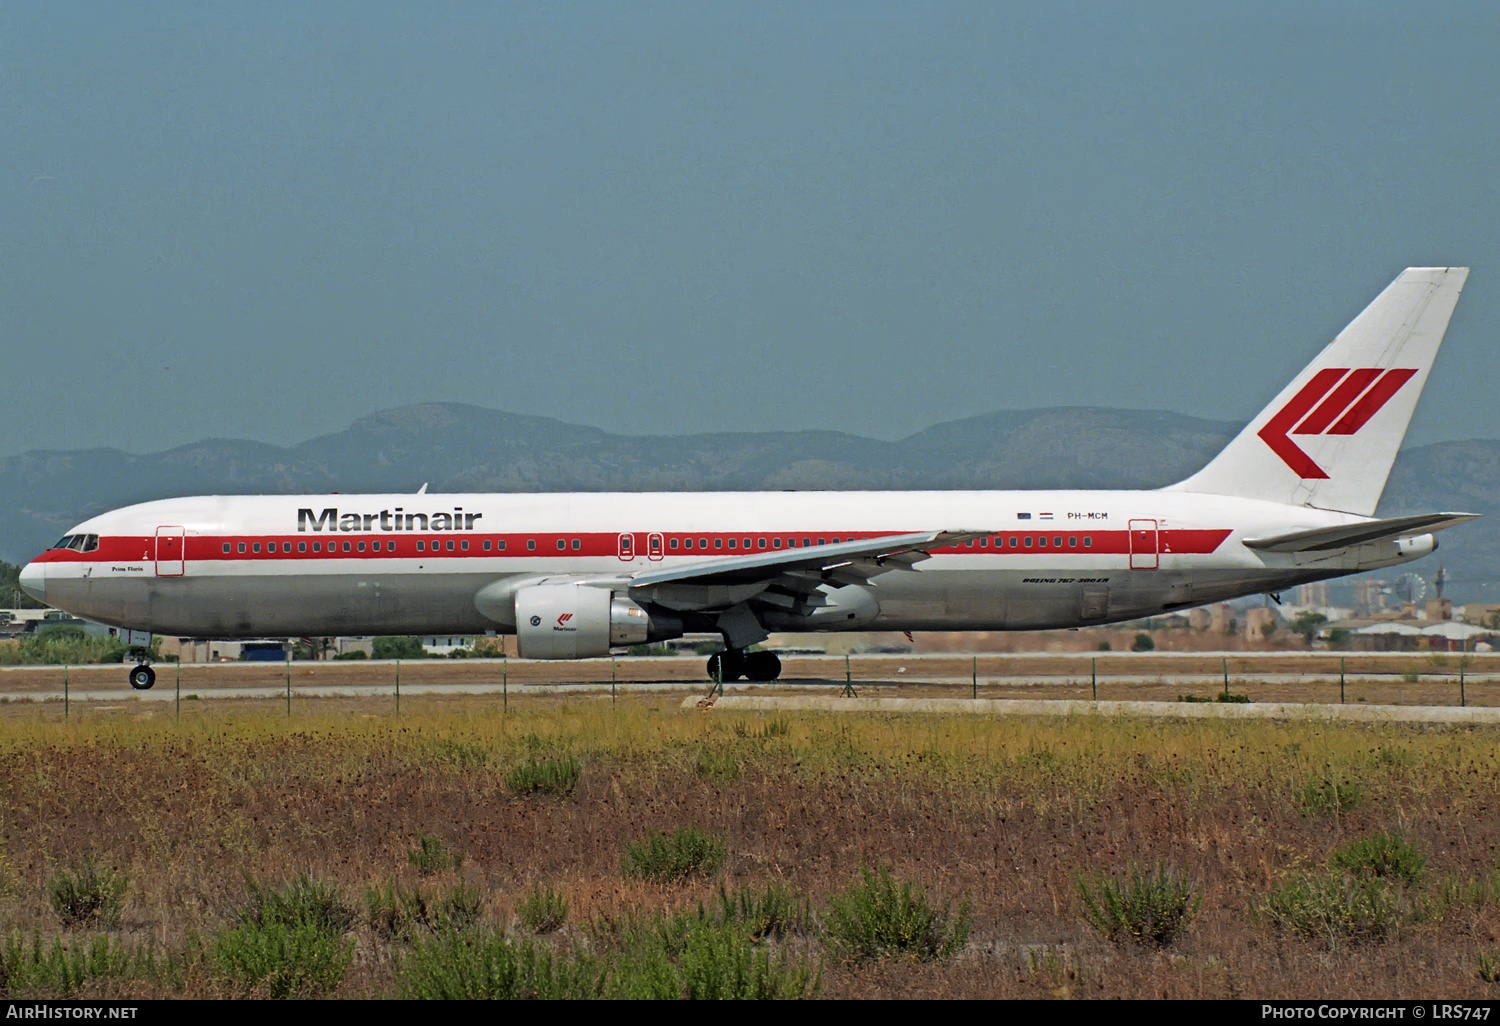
[
  {"x": 1152, "y": 909},
  {"x": 874, "y": 918},
  {"x": 773, "y": 912},
  {"x": 487, "y": 965},
  {"x": 1322, "y": 796},
  {"x": 692, "y": 957},
  {"x": 717, "y": 765},
  {"x": 543, "y": 910},
  {"x": 304, "y": 901},
  {"x": 61, "y": 970},
  {"x": 286, "y": 959},
  {"x": 394, "y": 911},
  {"x": 1336, "y": 908},
  {"x": 1143, "y": 643},
  {"x": 1386, "y": 855},
  {"x": 408, "y": 647},
  {"x": 432, "y": 857},
  {"x": 1489, "y": 966},
  {"x": 545, "y": 776},
  {"x": 671, "y": 857},
  {"x": 91, "y": 896}
]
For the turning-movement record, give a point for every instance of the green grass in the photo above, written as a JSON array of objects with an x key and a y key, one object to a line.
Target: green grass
[
  {"x": 668, "y": 858},
  {"x": 1152, "y": 909},
  {"x": 486, "y": 966},
  {"x": 392, "y": 910},
  {"x": 543, "y": 910},
  {"x": 303, "y": 902},
  {"x": 875, "y": 917},
  {"x": 1339, "y": 908},
  {"x": 61, "y": 969},
  {"x": 1387, "y": 855},
  {"x": 282, "y": 960},
  {"x": 431, "y": 857},
  {"x": 1321, "y": 797},
  {"x": 545, "y": 776},
  {"x": 91, "y": 895}
]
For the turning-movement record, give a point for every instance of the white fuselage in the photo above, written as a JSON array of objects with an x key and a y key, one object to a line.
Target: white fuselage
[{"x": 283, "y": 566}]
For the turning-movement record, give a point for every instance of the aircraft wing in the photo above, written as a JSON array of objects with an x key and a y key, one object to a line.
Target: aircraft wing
[
  {"x": 1320, "y": 539},
  {"x": 851, "y": 562}
]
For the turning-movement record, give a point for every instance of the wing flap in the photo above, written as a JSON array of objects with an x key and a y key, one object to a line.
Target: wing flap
[
  {"x": 851, "y": 562},
  {"x": 1321, "y": 539}
]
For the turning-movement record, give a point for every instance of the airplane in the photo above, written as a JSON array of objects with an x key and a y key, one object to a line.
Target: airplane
[{"x": 1288, "y": 501}]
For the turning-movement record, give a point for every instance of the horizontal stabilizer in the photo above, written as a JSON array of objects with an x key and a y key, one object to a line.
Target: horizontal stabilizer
[{"x": 1320, "y": 539}]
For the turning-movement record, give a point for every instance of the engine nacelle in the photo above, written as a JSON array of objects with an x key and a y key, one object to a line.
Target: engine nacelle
[{"x": 573, "y": 621}]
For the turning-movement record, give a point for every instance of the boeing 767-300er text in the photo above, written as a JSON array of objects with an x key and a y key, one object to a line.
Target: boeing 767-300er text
[{"x": 1290, "y": 500}]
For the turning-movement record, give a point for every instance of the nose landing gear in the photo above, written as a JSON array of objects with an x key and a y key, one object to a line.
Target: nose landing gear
[{"x": 141, "y": 674}]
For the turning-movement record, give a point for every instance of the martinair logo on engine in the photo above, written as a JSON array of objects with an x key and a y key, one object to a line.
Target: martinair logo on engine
[
  {"x": 333, "y": 519},
  {"x": 562, "y": 623},
  {"x": 1353, "y": 397}
]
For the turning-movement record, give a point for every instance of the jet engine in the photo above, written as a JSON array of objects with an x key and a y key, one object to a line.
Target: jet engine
[{"x": 574, "y": 621}]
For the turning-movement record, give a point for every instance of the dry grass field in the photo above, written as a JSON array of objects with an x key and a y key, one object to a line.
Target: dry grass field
[{"x": 433, "y": 854}]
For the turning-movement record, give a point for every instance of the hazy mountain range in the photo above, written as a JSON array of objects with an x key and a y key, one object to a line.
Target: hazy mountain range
[{"x": 455, "y": 447}]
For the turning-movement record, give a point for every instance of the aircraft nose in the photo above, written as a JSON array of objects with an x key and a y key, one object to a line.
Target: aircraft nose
[{"x": 34, "y": 581}]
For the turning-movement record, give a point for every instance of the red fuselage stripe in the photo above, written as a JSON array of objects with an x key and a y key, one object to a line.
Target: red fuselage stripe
[{"x": 206, "y": 548}]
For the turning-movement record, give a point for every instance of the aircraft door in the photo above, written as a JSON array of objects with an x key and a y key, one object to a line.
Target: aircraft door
[
  {"x": 170, "y": 558},
  {"x": 653, "y": 547},
  {"x": 627, "y": 547},
  {"x": 1143, "y": 545}
]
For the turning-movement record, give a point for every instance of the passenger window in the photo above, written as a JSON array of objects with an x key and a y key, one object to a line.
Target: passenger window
[
  {"x": 674, "y": 543},
  {"x": 531, "y": 544},
  {"x": 226, "y": 548},
  {"x": 390, "y": 546},
  {"x": 984, "y": 543},
  {"x": 500, "y": 545},
  {"x": 301, "y": 547},
  {"x": 760, "y": 543},
  {"x": 747, "y": 543},
  {"x": 464, "y": 545},
  {"x": 421, "y": 547},
  {"x": 732, "y": 542},
  {"x": 1072, "y": 542},
  {"x": 776, "y": 543},
  {"x": 1012, "y": 541},
  {"x": 1057, "y": 542},
  {"x": 687, "y": 543},
  {"x": 317, "y": 547},
  {"x": 806, "y": 543},
  {"x": 821, "y": 542},
  {"x": 703, "y": 543},
  {"x": 1041, "y": 542},
  {"x": 718, "y": 543},
  {"x": 361, "y": 546},
  {"x": 1088, "y": 542},
  {"x": 561, "y": 545},
  {"x": 242, "y": 547},
  {"x": 449, "y": 546},
  {"x": 346, "y": 546},
  {"x": 1028, "y": 541}
]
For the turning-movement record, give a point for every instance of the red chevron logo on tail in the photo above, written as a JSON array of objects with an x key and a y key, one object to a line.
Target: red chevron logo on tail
[{"x": 1337, "y": 401}]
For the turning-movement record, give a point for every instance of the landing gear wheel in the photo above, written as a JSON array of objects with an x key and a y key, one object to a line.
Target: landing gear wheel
[
  {"x": 142, "y": 677},
  {"x": 762, "y": 666},
  {"x": 730, "y": 664}
]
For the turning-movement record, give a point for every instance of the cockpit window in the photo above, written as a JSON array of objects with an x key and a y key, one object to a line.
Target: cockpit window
[
  {"x": 77, "y": 543},
  {"x": 63, "y": 542},
  {"x": 91, "y": 544}
]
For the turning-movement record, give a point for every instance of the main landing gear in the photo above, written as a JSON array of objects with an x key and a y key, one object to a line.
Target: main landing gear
[
  {"x": 141, "y": 674},
  {"x": 731, "y": 665}
]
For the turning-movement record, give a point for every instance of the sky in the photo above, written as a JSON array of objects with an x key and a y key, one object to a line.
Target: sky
[{"x": 267, "y": 220}]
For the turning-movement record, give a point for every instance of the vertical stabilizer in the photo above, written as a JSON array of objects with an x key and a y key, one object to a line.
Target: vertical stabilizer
[{"x": 1329, "y": 439}]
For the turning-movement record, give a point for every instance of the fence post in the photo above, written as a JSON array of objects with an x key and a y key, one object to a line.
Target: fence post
[
  {"x": 179, "y": 690},
  {"x": 1094, "y": 677},
  {"x": 65, "y": 692},
  {"x": 976, "y": 677},
  {"x": 1341, "y": 680},
  {"x": 289, "y": 683}
]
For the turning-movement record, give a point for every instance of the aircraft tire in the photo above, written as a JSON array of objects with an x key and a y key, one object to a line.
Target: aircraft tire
[
  {"x": 762, "y": 666},
  {"x": 731, "y": 664},
  {"x": 142, "y": 677}
]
